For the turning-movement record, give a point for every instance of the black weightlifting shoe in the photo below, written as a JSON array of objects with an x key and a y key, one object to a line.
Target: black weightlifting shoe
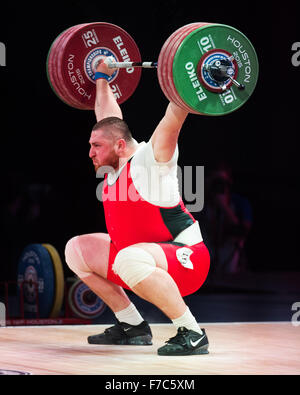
[
  {"x": 124, "y": 334},
  {"x": 186, "y": 342}
]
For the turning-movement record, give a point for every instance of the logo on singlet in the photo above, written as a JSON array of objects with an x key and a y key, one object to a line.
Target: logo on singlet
[{"x": 183, "y": 255}]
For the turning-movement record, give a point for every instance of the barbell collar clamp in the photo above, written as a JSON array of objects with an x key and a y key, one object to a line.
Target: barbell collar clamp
[{"x": 236, "y": 83}]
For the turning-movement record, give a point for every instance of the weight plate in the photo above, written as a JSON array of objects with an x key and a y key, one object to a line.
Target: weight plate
[
  {"x": 162, "y": 69},
  {"x": 59, "y": 280},
  {"x": 80, "y": 52},
  {"x": 189, "y": 54},
  {"x": 173, "y": 50},
  {"x": 170, "y": 65},
  {"x": 73, "y": 101},
  {"x": 35, "y": 269},
  {"x": 83, "y": 302},
  {"x": 50, "y": 68},
  {"x": 53, "y": 69}
]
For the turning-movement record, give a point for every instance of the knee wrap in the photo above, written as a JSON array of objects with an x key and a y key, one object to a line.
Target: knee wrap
[
  {"x": 74, "y": 258},
  {"x": 133, "y": 264}
]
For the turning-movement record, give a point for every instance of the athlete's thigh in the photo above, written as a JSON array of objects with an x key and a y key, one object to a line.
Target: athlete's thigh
[{"x": 95, "y": 248}]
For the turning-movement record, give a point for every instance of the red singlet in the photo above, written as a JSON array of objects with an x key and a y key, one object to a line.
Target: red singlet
[{"x": 130, "y": 219}]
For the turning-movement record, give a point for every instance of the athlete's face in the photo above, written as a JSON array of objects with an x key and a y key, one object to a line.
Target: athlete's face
[{"x": 102, "y": 151}]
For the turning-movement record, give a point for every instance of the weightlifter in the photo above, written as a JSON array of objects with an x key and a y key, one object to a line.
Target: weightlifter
[{"x": 154, "y": 245}]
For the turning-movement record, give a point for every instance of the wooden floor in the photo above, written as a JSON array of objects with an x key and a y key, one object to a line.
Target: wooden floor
[{"x": 235, "y": 348}]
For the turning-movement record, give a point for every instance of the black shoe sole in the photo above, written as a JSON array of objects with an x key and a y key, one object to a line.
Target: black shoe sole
[
  {"x": 197, "y": 351},
  {"x": 145, "y": 340}
]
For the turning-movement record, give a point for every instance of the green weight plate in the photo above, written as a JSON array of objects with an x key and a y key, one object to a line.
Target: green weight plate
[{"x": 191, "y": 52}]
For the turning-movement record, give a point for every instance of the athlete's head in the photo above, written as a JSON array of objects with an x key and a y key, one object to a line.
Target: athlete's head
[{"x": 110, "y": 140}]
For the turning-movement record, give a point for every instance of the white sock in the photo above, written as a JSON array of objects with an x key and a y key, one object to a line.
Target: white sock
[
  {"x": 188, "y": 321},
  {"x": 130, "y": 315}
]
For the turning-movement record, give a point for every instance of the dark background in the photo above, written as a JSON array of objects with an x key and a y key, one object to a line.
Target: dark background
[{"x": 44, "y": 143}]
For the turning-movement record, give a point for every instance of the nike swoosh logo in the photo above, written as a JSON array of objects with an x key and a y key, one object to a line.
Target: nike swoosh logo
[
  {"x": 127, "y": 329},
  {"x": 194, "y": 344}
]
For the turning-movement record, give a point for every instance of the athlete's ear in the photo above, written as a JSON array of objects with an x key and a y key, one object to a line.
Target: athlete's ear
[{"x": 120, "y": 146}]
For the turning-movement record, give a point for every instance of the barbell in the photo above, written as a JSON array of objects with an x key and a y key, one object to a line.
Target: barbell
[{"x": 205, "y": 68}]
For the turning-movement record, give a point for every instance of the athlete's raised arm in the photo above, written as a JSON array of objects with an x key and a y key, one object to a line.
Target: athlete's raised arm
[
  {"x": 105, "y": 104},
  {"x": 165, "y": 136}
]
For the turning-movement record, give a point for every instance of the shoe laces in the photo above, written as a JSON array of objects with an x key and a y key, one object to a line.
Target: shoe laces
[
  {"x": 180, "y": 337},
  {"x": 115, "y": 329}
]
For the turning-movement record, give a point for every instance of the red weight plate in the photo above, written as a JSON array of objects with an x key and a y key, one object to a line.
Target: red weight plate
[
  {"x": 171, "y": 59},
  {"x": 169, "y": 64},
  {"x": 64, "y": 91},
  {"x": 81, "y": 50},
  {"x": 162, "y": 63},
  {"x": 51, "y": 68},
  {"x": 72, "y": 101},
  {"x": 161, "y": 69},
  {"x": 52, "y": 65},
  {"x": 59, "y": 85}
]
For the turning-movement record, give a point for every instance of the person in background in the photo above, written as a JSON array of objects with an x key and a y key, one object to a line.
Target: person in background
[{"x": 226, "y": 220}]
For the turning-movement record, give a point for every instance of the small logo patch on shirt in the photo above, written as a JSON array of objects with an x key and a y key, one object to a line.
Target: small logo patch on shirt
[{"x": 183, "y": 255}]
